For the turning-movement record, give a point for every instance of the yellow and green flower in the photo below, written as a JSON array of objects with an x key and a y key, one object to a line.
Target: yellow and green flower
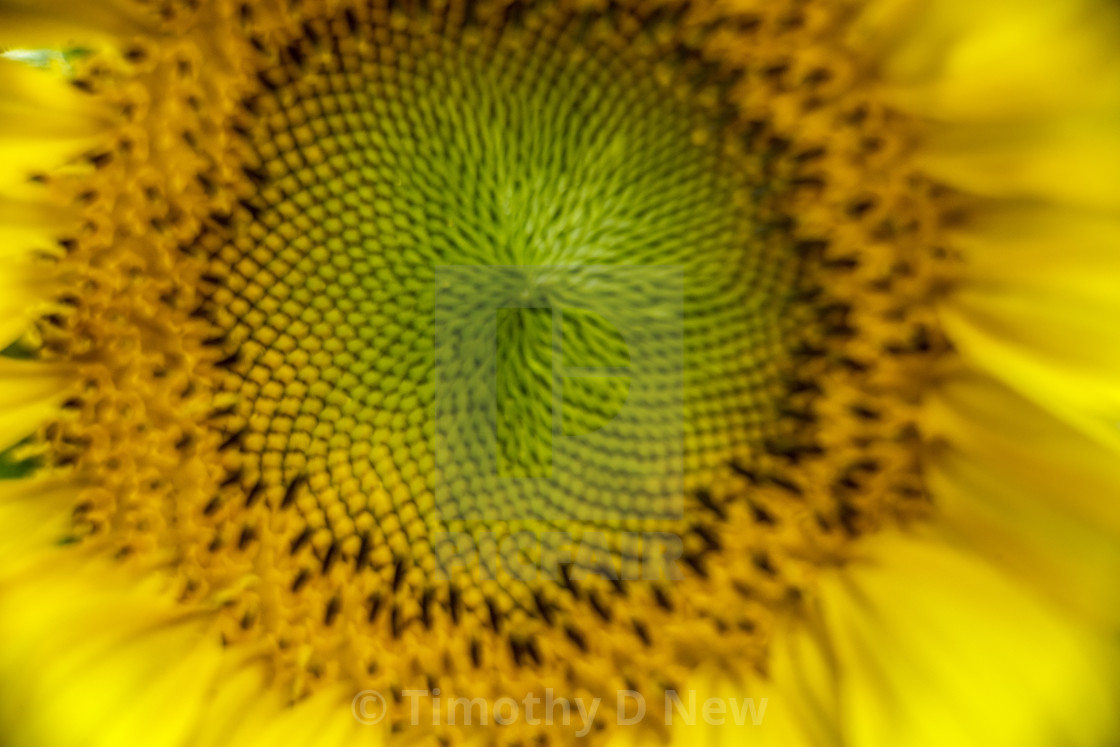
[{"x": 322, "y": 320}]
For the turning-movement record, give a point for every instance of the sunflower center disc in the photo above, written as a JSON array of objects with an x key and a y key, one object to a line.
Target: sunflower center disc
[{"x": 535, "y": 293}]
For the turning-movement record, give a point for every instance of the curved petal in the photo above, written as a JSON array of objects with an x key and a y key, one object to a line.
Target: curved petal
[
  {"x": 34, "y": 520},
  {"x": 323, "y": 720},
  {"x": 44, "y": 120},
  {"x": 933, "y": 646},
  {"x": 1037, "y": 308},
  {"x": 64, "y": 22},
  {"x": 95, "y": 656},
  {"x": 997, "y": 61},
  {"x": 1070, "y": 159},
  {"x": 720, "y": 710},
  {"x": 99, "y": 655},
  {"x": 31, "y": 393},
  {"x": 1028, "y": 491}
]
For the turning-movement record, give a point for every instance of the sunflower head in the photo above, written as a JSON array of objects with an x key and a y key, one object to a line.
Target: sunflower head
[{"x": 483, "y": 350}]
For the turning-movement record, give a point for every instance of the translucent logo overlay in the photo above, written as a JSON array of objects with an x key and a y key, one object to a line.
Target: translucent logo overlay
[{"x": 558, "y": 392}]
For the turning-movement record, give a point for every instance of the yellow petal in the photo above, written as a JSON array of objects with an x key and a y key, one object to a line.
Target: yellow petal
[
  {"x": 239, "y": 699},
  {"x": 44, "y": 120},
  {"x": 30, "y": 227},
  {"x": 1071, "y": 160},
  {"x": 1041, "y": 248},
  {"x": 93, "y": 656},
  {"x": 1028, "y": 491},
  {"x": 932, "y": 646},
  {"x": 1024, "y": 95},
  {"x": 1000, "y": 60},
  {"x": 802, "y": 675},
  {"x": 34, "y": 519},
  {"x": 64, "y": 23},
  {"x": 1064, "y": 357},
  {"x": 1036, "y": 307},
  {"x": 323, "y": 720},
  {"x": 33, "y": 219},
  {"x": 30, "y": 393},
  {"x": 919, "y": 642},
  {"x": 26, "y": 289},
  {"x": 717, "y": 709},
  {"x": 794, "y": 706}
]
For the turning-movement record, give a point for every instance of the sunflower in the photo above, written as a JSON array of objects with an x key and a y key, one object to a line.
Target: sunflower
[{"x": 694, "y": 371}]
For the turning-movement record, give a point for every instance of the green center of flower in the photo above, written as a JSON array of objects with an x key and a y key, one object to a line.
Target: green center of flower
[{"x": 464, "y": 269}]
